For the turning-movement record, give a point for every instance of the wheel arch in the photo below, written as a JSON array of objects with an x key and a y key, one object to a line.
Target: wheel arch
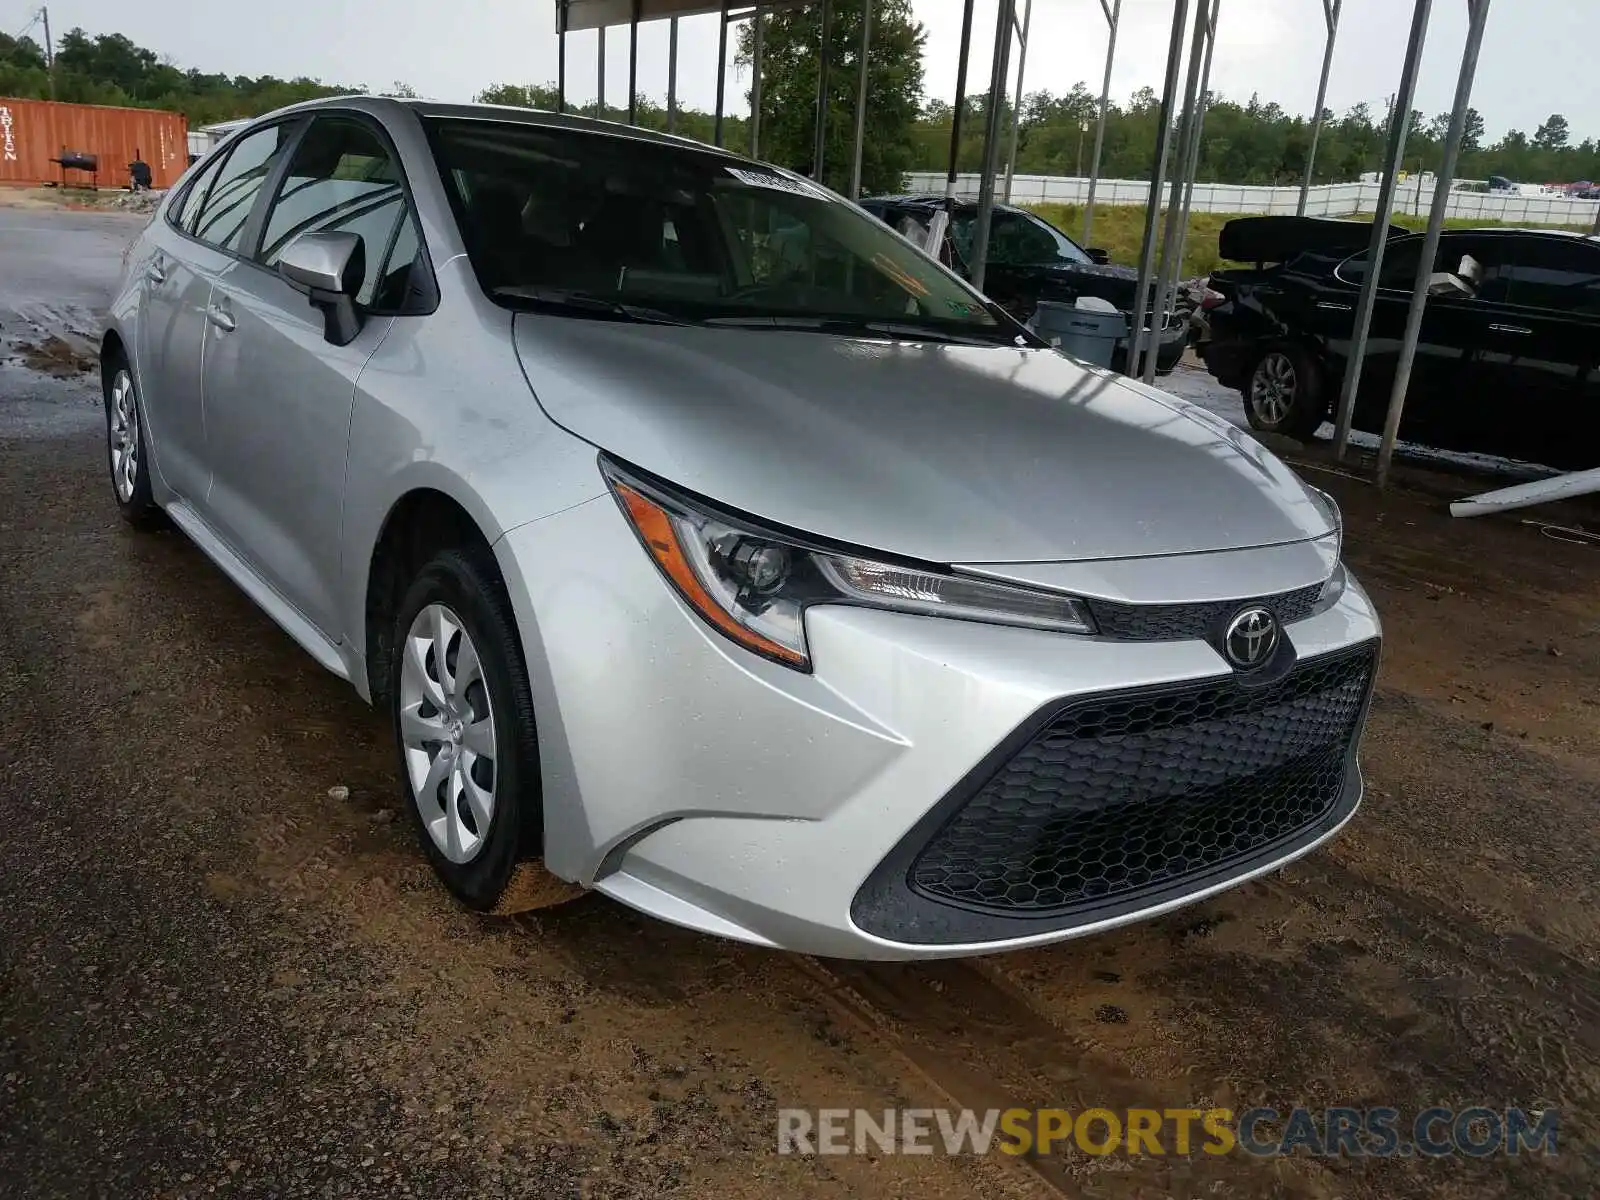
[
  {"x": 112, "y": 344},
  {"x": 426, "y": 517}
]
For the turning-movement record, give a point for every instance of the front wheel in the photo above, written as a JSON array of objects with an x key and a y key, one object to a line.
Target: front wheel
[
  {"x": 463, "y": 719},
  {"x": 1284, "y": 394}
]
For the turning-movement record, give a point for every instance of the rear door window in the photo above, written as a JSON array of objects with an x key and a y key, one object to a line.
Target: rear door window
[
  {"x": 1399, "y": 272},
  {"x": 187, "y": 211}
]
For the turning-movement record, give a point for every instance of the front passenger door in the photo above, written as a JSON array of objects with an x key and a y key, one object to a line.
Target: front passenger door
[
  {"x": 278, "y": 394},
  {"x": 1546, "y": 330}
]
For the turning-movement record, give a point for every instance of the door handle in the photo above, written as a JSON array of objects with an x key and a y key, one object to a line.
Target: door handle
[
  {"x": 1517, "y": 329},
  {"x": 221, "y": 318},
  {"x": 1333, "y": 307}
]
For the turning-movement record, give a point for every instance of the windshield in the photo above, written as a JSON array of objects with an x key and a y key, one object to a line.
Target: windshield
[
  {"x": 604, "y": 225},
  {"x": 1018, "y": 240}
]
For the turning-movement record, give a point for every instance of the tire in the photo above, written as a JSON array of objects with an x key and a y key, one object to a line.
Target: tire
[
  {"x": 127, "y": 455},
  {"x": 485, "y": 756},
  {"x": 1284, "y": 393}
]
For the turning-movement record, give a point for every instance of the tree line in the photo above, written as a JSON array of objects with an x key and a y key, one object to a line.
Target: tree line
[{"x": 1250, "y": 142}]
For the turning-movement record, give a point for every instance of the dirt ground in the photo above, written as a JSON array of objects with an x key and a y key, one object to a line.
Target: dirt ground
[
  {"x": 225, "y": 968},
  {"x": 199, "y": 942}
]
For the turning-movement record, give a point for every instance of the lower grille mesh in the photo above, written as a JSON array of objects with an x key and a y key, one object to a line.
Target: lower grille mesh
[{"x": 1118, "y": 795}]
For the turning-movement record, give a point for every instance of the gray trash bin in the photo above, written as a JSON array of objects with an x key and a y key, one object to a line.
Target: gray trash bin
[{"x": 1089, "y": 329}]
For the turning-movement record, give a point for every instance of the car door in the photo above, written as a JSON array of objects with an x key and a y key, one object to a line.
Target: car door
[
  {"x": 1542, "y": 345},
  {"x": 198, "y": 241},
  {"x": 1445, "y": 339},
  {"x": 278, "y": 395}
]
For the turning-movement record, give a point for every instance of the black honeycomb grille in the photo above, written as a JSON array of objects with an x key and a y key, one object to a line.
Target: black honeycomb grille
[
  {"x": 1121, "y": 795},
  {"x": 1179, "y": 622}
]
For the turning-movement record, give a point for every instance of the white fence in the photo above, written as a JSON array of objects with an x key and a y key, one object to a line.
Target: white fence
[{"x": 1326, "y": 200}]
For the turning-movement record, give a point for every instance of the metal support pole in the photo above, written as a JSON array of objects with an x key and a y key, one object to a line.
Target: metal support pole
[
  {"x": 600, "y": 68},
  {"x": 561, "y": 57},
  {"x": 633, "y": 65},
  {"x": 755, "y": 82},
  {"x": 1330, "y": 15},
  {"x": 961, "y": 103},
  {"x": 722, "y": 70},
  {"x": 991, "y": 143},
  {"x": 1113, "y": 16},
  {"x": 819, "y": 131},
  {"x": 1192, "y": 161},
  {"x": 1171, "y": 236},
  {"x": 1152, "y": 211},
  {"x": 861, "y": 96},
  {"x": 672, "y": 76},
  {"x": 1399, "y": 118},
  {"x": 1016, "y": 106},
  {"x": 1477, "y": 18}
]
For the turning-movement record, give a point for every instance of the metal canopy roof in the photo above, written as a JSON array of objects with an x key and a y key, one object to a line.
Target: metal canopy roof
[{"x": 598, "y": 14}]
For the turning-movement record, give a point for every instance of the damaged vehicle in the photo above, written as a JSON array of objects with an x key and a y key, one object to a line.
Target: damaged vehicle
[
  {"x": 1030, "y": 260},
  {"x": 710, "y": 547},
  {"x": 1508, "y": 362}
]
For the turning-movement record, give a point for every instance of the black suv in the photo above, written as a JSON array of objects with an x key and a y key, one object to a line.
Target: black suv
[{"x": 1031, "y": 260}]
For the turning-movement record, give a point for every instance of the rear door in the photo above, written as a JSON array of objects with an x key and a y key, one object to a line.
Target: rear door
[
  {"x": 191, "y": 248},
  {"x": 1330, "y": 313},
  {"x": 278, "y": 394}
]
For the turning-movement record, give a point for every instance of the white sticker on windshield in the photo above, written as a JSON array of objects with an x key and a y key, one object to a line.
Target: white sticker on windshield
[{"x": 779, "y": 183}]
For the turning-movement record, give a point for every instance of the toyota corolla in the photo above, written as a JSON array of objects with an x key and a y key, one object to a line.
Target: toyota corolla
[{"x": 711, "y": 547}]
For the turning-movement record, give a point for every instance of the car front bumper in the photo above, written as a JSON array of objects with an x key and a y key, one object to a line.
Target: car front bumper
[{"x": 694, "y": 781}]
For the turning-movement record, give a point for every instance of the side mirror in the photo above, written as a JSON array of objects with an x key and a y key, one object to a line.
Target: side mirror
[
  {"x": 1098, "y": 256},
  {"x": 330, "y": 267}
]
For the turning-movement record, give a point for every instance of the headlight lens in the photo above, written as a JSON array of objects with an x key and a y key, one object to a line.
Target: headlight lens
[{"x": 754, "y": 587}]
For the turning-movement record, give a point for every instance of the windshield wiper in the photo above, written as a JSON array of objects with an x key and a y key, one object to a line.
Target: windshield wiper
[
  {"x": 857, "y": 326},
  {"x": 577, "y": 303}
]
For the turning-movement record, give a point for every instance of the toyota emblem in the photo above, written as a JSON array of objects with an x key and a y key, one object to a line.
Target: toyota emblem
[{"x": 1251, "y": 638}]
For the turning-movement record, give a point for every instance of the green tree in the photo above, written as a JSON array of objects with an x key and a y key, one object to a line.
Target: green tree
[
  {"x": 1472, "y": 132},
  {"x": 649, "y": 113},
  {"x": 1553, "y": 134},
  {"x": 111, "y": 69},
  {"x": 789, "y": 68}
]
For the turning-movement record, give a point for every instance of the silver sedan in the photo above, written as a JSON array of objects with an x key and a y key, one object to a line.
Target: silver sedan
[{"x": 713, "y": 548}]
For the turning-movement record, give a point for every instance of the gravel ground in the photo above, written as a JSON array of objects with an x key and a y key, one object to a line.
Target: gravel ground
[{"x": 224, "y": 967}]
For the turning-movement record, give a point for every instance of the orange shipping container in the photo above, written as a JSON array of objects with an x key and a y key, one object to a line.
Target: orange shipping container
[{"x": 32, "y": 132}]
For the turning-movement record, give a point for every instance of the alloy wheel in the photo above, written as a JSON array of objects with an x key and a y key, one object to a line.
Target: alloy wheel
[
  {"x": 123, "y": 436},
  {"x": 1272, "y": 389},
  {"x": 447, "y": 733}
]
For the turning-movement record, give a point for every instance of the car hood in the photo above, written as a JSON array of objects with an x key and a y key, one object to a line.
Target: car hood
[
  {"x": 1108, "y": 281},
  {"x": 938, "y": 452}
]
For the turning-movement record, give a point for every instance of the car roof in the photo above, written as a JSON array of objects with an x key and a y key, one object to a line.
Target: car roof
[
  {"x": 511, "y": 115},
  {"x": 1498, "y": 231}
]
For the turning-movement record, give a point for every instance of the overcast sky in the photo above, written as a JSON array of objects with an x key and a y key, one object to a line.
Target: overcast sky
[{"x": 1538, "y": 58}]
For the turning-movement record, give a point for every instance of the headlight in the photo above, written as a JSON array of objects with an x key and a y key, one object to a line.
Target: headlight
[{"x": 754, "y": 586}]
